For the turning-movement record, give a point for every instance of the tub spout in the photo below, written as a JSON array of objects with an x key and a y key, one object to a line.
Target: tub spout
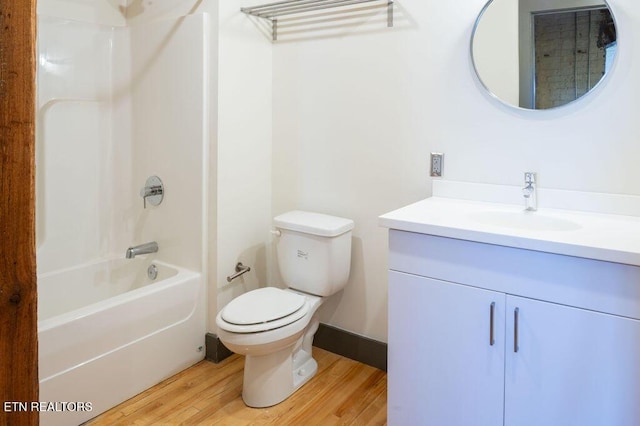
[{"x": 145, "y": 248}]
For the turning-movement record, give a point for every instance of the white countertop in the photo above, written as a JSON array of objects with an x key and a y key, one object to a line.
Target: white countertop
[{"x": 607, "y": 237}]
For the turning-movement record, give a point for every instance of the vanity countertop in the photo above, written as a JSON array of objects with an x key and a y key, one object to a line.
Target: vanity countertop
[{"x": 607, "y": 237}]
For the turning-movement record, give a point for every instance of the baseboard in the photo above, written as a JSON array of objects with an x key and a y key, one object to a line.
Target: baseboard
[
  {"x": 351, "y": 345},
  {"x": 332, "y": 339},
  {"x": 216, "y": 351}
]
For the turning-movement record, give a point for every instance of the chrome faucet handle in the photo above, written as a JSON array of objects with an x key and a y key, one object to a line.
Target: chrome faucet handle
[
  {"x": 529, "y": 178},
  {"x": 149, "y": 191},
  {"x": 153, "y": 190},
  {"x": 529, "y": 191}
]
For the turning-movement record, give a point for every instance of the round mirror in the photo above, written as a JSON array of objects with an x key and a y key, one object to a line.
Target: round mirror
[{"x": 542, "y": 54}]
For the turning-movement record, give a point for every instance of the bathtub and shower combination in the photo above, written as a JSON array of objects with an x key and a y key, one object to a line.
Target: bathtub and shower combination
[
  {"x": 109, "y": 117},
  {"x": 107, "y": 331}
]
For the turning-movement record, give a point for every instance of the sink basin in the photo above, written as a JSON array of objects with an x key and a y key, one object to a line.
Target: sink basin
[
  {"x": 590, "y": 235},
  {"x": 524, "y": 220}
]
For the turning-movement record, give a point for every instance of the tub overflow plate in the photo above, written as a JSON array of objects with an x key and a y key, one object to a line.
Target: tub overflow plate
[{"x": 152, "y": 272}]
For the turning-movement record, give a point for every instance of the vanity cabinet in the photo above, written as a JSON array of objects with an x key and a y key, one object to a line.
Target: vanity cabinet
[
  {"x": 490, "y": 335},
  {"x": 442, "y": 368},
  {"x": 573, "y": 366}
]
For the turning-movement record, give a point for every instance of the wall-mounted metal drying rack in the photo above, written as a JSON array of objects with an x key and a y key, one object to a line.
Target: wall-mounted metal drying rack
[{"x": 272, "y": 11}]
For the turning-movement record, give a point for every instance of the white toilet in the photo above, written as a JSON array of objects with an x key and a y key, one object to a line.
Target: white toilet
[{"x": 274, "y": 328}]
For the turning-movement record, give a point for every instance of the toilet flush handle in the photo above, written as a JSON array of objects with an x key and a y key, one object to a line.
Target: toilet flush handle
[{"x": 276, "y": 232}]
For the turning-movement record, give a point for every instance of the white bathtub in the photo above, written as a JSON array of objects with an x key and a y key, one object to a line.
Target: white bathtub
[{"x": 107, "y": 332}]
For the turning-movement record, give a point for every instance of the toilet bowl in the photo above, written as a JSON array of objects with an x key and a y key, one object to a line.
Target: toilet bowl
[
  {"x": 278, "y": 360},
  {"x": 274, "y": 327}
]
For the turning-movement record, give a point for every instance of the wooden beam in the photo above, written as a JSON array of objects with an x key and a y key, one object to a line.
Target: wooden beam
[{"x": 18, "y": 291}]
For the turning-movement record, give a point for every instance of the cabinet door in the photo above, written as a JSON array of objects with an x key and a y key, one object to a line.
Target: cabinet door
[
  {"x": 572, "y": 367},
  {"x": 443, "y": 369}
]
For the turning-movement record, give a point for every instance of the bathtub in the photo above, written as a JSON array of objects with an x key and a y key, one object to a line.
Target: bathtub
[{"x": 107, "y": 332}]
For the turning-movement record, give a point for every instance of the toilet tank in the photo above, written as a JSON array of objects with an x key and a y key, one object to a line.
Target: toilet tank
[{"x": 314, "y": 251}]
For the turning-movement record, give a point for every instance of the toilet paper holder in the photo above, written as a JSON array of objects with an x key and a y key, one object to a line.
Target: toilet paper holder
[{"x": 240, "y": 269}]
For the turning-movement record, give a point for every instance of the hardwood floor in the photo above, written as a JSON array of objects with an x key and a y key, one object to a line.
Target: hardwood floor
[{"x": 343, "y": 392}]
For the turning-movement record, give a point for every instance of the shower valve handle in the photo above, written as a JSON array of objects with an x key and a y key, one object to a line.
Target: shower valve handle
[
  {"x": 150, "y": 191},
  {"x": 153, "y": 190}
]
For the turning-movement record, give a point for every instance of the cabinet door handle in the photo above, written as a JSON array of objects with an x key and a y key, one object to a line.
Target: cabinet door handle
[
  {"x": 492, "y": 312},
  {"x": 516, "y": 313}
]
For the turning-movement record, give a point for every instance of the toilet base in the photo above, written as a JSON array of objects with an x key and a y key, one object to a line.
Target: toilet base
[
  {"x": 270, "y": 379},
  {"x": 277, "y": 362}
]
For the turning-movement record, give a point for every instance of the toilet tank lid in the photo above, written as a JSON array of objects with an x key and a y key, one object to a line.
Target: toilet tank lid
[{"x": 313, "y": 223}]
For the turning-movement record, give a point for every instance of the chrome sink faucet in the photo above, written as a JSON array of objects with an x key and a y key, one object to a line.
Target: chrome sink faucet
[
  {"x": 145, "y": 248},
  {"x": 529, "y": 192}
]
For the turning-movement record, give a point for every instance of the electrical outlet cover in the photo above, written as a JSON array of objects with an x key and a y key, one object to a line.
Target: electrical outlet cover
[{"x": 437, "y": 160}]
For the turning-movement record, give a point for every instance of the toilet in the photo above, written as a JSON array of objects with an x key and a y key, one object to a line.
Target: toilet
[{"x": 274, "y": 328}]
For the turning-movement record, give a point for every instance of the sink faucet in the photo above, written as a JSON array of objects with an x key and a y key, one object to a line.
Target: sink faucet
[
  {"x": 529, "y": 192},
  {"x": 145, "y": 248}
]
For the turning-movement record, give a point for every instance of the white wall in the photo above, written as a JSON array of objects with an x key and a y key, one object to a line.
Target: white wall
[
  {"x": 240, "y": 143},
  {"x": 356, "y": 116},
  {"x": 244, "y": 154}
]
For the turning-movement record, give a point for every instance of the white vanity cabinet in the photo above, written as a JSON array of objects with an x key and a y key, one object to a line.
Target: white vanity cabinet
[
  {"x": 573, "y": 366},
  {"x": 442, "y": 368},
  {"x": 486, "y": 335}
]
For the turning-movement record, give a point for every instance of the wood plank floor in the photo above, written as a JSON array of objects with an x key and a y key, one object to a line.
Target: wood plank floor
[{"x": 343, "y": 392}]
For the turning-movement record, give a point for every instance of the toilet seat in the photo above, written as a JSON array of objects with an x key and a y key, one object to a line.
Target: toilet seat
[{"x": 262, "y": 310}]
